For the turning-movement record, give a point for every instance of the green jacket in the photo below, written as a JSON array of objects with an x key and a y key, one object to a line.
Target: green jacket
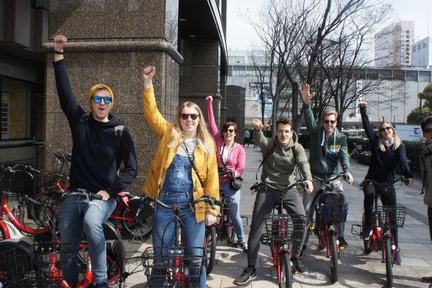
[
  {"x": 279, "y": 168},
  {"x": 325, "y": 154}
]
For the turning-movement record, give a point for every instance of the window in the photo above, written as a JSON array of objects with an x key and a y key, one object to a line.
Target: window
[{"x": 15, "y": 109}]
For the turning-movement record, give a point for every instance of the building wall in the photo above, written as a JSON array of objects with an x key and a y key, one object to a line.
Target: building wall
[{"x": 422, "y": 53}]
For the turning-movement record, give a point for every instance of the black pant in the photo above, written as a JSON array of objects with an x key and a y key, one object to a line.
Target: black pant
[
  {"x": 388, "y": 199},
  {"x": 430, "y": 221}
]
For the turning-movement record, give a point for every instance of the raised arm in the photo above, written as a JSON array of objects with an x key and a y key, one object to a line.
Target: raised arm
[
  {"x": 365, "y": 120},
  {"x": 68, "y": 102},
  {"x": 307, "y": 97},
  {"x": 211, "y": 119},
  {"x": 151, "y": 113}
]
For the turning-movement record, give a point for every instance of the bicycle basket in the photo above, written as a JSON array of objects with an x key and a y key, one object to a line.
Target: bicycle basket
[
  {"x": 174, "y": 266},
  {"x": 333, "y": 213},
  {"x": 391, "y": 217},
  {"x": 283, "y": 227},
  {"x": 20, "y": 266}
]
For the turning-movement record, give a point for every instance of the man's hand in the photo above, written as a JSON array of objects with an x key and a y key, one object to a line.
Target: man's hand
[
  {"x": 350, "y": 179},
  {"x": 148, "y": 74},
  {"x": 306, "y": 94},
  {"x": 309, "y": 186},
  {"x": 258, "y": 125},
  {"x": 59, "y": 42}
]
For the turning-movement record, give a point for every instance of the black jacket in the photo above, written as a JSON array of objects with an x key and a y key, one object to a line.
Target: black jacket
[{"x": 96, "y": 150}]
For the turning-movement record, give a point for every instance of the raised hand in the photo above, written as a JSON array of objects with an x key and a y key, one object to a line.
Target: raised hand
[
  {"x": 306, "y": 94},
  {"x": 209, "y": 98},
  {"x": 59, "y": 42},
  {"x": 148, "y": 74}
]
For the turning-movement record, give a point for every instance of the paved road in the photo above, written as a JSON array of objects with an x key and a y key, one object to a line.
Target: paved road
[{"x": 355, "y": 268}]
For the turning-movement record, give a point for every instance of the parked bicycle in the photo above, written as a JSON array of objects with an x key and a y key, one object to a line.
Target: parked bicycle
[
  {"x": 384, "y": 220},
  {"x": 175, "y": 266},
  {"x": 282, "y": 230},
  {"x": 35, "y": 262},
  {"x": 330, "y": 210}
]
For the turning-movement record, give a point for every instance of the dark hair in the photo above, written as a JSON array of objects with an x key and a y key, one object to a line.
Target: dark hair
[
  {"x": 227, "y": 125},
  {"x": 284, "y": 121},
  {"x": 426, "y": 121}
]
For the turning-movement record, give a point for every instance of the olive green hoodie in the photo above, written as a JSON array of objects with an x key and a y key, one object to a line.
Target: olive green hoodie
[{"x": 279, "y": 167}]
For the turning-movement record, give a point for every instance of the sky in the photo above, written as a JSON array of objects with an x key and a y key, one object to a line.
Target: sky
[{"x": 240, "y": 35}]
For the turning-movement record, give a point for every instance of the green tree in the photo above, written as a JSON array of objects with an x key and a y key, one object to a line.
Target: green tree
[{"x": 425, "y": 108}]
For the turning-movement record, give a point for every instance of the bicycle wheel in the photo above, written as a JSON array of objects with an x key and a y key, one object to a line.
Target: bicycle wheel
[
  {"x": 388, "y": 262},
  {"x": 367, "y": 245},
  {"x": 333, "y": 258},
  {"x": 137, "y": 226},
  {"x": 286, "y": 274},
  {"x": 231, "y": 235},
  {"x": 210, "y": 248}
]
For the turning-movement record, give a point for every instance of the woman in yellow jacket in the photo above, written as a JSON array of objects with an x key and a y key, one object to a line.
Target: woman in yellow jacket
[{"x": 184, "y": 162}]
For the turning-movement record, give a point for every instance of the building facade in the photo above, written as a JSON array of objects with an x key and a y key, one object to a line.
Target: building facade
[
  {"x": 422, "y": 53},
  {"x": 108, "y": 42},
  {"x": 393, "y": 45}
]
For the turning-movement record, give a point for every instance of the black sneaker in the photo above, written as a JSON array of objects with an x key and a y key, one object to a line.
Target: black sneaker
[
  {"x": 342, "y": 243},
  {"x": 242, "y": 245},
  {"x": 247, "y": 276},
  {"x": 298, "y": 265},
  {"x": 426, "y": 279}
]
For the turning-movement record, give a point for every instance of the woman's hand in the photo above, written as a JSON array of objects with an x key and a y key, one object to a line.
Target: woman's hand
[
  {"x": 148, "y": 74},
  {"x": 209, "y": 98},
  {"x": 210, "y": 219},
  {"x": 362, "y": 104},
  {"x": 410, "y": 182}
]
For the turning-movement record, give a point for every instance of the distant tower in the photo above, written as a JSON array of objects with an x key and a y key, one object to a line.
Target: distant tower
[{"x": 393, "y": 45}]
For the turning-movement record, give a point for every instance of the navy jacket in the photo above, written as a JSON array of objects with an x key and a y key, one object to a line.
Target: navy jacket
[{"x": 96, "y": 151}]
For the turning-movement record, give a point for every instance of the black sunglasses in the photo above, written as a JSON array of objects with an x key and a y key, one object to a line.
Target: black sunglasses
[
  {"x": 427, "y": 130},
  {"x": 185, "y": 116},
  {"x": 382, "y": 129},
  {"x": 98, "y": 99},
  {"x": 329, "y": 121},
  {"x": 229, "y": 130}
]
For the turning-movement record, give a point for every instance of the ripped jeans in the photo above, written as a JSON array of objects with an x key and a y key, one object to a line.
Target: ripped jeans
[{"x": 77, "y": 216}]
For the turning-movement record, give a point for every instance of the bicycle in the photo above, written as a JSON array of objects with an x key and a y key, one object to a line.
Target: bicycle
[
  {"x": 16, "y": 214},
  {"x": 133, "y": 215},
  {"x": 282, "y": 230},
  {"x": 384, "y": 220},
  {"x": 176, "y": 268},
  {"x": 330, "y": 209},
  {"x": 36, "y": 259}
]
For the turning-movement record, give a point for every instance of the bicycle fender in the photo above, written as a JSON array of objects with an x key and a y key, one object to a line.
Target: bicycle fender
[{"x": 110, "y": 231}]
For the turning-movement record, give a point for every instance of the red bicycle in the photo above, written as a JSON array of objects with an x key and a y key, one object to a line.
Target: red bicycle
[{"x": 384, "y": 220}]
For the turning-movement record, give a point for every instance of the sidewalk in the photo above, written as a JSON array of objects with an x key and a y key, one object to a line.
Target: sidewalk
[{"x": 355, "y": 268}]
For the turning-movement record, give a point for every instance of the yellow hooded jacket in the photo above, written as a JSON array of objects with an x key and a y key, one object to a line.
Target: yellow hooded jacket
[{"x": 205, "y": 165}]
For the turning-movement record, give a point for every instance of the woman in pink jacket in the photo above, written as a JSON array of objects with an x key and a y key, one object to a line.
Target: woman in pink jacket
[{"x": 230, "y": 156}]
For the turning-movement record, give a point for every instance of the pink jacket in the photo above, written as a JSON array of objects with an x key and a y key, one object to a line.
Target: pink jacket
[{"x": 237, "y": 157}]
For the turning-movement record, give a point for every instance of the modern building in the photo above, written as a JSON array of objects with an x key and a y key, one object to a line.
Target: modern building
[
  {"x": 393, "y": 45},
  {"x": 109, "y": 42},
  {"x": 391, "y": 93},
  {"x": 422, "y": 53}
]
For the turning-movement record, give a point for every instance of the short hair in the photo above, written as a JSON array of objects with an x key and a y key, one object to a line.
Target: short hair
[
  {"x": 330, "y": 112},
  {"x": 96, "y": 88},
  {"x": 426, "y": 121},
  {"x": 228, "y": 124},
  {"x": 284, "y": 121}
]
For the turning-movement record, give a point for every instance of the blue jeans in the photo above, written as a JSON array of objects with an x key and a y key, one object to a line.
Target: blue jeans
[
  {"x": 234, "y": 210},
  {"x": 177, "y": 189},
  {"x": 78, "y": 216}
]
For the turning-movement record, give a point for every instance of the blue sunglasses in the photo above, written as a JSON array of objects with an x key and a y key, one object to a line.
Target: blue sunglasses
[{"x": 98, "y": 99}]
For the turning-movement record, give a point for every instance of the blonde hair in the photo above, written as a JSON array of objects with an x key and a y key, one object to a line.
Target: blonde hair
[
  {"x": 98, "y": 87},
  {"x": 330, "y": 112},
  {"x": 204, "y": 139},
  {"x": 397, "y": 140}
]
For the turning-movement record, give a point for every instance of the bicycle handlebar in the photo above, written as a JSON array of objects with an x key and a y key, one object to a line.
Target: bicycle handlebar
[
  {"x": 28, "y": 169},
  {"x": 90, "y": 195},
  {"x": 342, "y": 175},
  {"x": 385, "y": 186},
  {"x": 205, "y": 198}
]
